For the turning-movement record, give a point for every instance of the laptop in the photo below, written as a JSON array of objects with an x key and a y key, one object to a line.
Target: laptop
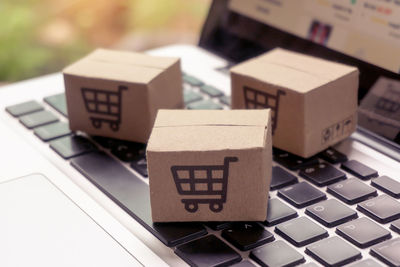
[{"x": 77, "y": 200}]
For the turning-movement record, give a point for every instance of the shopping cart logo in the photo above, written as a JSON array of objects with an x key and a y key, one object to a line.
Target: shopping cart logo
[
  {"x": 104, "y": 106},
  {"x": 255, "y": 99},
  {"x": 203, "y": 184},
  {"x": 390, "y": 101}
]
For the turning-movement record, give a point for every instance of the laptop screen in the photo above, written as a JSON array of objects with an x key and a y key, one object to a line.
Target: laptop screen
[{"x": 362, "y": 33}]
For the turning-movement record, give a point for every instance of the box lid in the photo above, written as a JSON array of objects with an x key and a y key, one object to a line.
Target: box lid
[
  {"x": 209, "y": 130},
  {"x": 120, "y": 65},
  {"x": 293, "y": 70}
]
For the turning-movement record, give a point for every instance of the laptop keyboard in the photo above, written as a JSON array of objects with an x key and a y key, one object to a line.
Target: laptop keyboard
[{"x": 332, "y": 191}]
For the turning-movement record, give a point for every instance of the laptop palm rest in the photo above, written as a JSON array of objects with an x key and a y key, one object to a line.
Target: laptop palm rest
[{"x": 40, "y": 226}]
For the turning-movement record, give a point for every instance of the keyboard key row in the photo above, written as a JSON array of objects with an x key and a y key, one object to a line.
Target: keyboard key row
[{"x": 132, "y": 195}]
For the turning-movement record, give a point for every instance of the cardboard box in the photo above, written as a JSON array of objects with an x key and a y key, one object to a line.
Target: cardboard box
[
  {"x": 210, "y": 165},
  {"x": 313, "y": 101},
  {"x": 117, "y": 94}
]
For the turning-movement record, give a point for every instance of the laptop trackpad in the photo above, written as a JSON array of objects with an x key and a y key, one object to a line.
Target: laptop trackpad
[{"x": 40, "y": 226}]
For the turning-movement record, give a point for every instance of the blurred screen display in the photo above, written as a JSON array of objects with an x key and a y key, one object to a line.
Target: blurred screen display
[{"x": 368, "y": 30}]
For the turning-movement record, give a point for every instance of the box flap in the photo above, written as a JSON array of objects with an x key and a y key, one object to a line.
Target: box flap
[
  {"x": 209, "y": 130},
  {"x": 293, "y": 70},
  {"x": 120, "y": 65},
  {"x": 173, "y": 118}
]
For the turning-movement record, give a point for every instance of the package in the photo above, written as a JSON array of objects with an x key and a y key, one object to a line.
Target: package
[
  {"x": 210, "y": 165},
  {"x": 313, "y": 101},
  {"x": 117, "y": 94}
]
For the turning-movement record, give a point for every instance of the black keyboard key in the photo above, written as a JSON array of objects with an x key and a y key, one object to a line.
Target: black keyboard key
[
  {"x": 382, "y": 208},
  {"x": 107, "y": 142},
  {"x": 171, "y": 234},
  {"x": 247, "y": 236},
  {"x": 291, "y": 161},
  {"x": 281, "y": 178},
  {"x": 365, "y": 263},
  {"x": 352, "y": 191},
  {"x": 140, "y": 165},
  {"x": 132, "y": 195},
  {"x": 204, "y": 104},
  {"x": 301, "y": 195},
  {"x": 52, "y": 131},
  {"x": 333, "y": 156},
  {"x": 395, "y": 226},
  {"x": 72, "y": 146},
  {"x": 192, "y": 80},
  {"x": 278, "y": 212},
  {"x": 58, "y": 102},
  {"x": 359, "y": 170},
  {"x": 24, "y": 108},
  {"x": 301, "y": 231},
  {"x": 207, "y": 251},
  {"x": 277, "y": 253},
  {"x": 322, "y": 174},
  {"x": 37, "y": 119},
  {"x": 216, "y": 226},
  {"x": 211, "y": 90},
  {"x": 128, "y": 151},
  {"x": 388, "y": 252},
  {"x": 388, "y": 185},
  {"x": 363, "y": 232},
  {"x": 245, "y": 263},
  {"x": 331, "y": 212},
  {"x": 191, "y": 96},
  {"x": 333, "y": 251}
]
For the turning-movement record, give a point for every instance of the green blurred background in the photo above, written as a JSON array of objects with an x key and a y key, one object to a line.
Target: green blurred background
[{"x": 43, "y": 36}]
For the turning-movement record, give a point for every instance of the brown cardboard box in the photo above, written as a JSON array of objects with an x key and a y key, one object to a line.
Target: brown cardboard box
[
  {"x": 227, "y": 152},
  {"x": 313, "y": 101},
  {"x": 117, "y": 94}
]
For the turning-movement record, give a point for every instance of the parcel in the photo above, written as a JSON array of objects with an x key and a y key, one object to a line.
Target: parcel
[
  {"x": 117, "y": 94},
  {"x": 210, "y": 165},
  {"x": 313, "y": 101}
]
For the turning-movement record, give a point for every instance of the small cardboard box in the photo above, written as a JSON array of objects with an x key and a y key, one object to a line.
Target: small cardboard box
[
  {"x": 117, "y": 94},
  {"x": 210, "y": 165},
  {"x": 313, "y": 101}
]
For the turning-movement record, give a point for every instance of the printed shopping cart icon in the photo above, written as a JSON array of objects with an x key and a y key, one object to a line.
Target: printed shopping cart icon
[
  {"x": 105, "y": 106},
  {"x": 203, "y": 184},
  {"x": 389, "y": 102},
  {"x": 255, "y": 99}
]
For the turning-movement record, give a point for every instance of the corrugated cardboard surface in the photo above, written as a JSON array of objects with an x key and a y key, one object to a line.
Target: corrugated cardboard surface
[
  {"x": 206, "y": 138},
  {"x": 151, "y": 83},
  {"x": 318, "y": 98}
]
